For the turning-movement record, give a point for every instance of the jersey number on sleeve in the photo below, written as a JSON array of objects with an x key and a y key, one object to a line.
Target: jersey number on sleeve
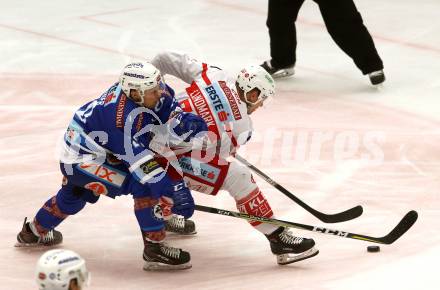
[{"x": 84, "y": 113}]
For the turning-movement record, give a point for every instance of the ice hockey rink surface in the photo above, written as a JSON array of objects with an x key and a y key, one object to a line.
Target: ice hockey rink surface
[{"x": 56, "y": 55}]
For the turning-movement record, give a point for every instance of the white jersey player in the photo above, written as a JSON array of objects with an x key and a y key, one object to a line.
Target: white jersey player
[{"x": 225, "y": 104}]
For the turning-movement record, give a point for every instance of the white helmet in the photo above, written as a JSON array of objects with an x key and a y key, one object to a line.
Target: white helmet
[
  {"x": 140, "y": 76},
  {"x": 255, "y": 76},
  {"x": 56, "y": 268}
]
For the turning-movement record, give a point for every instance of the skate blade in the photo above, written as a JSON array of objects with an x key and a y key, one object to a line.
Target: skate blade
[
  {"x": 284, "y": 73},
  {"x": 379, "y": 87},
  {"x": 182, "y": 234},
  {"x": 157, "y": 266},
  {"x": 32, "y": 245},
  {"x": 285, "y": 259},
  {"x": 19, "y": 244}
]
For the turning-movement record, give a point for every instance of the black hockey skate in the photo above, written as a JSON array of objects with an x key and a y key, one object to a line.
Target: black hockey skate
[
  {"x": 290, "y": 249},
  {"x": 179, "y": 225},
  {"x": 377, "y": 77},
  {"x": 276, "y": 72},
  {"x": 27, "y": 238},
  {"x": 158, "y": 256}
]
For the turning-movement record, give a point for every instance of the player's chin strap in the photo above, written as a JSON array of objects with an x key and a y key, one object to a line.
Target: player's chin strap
[
  {"x": 141, "y": 102},
  {"x": 251, "y": 107},
  {"x": 141, "y": 95}
]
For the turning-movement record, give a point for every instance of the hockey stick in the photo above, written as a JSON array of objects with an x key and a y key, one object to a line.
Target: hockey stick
[
  {"x": 347, "y": 215},
  {"x": 408, "y": 220}
]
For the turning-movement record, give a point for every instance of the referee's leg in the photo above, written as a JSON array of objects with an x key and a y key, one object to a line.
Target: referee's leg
[{"x": 346, "y": 27}]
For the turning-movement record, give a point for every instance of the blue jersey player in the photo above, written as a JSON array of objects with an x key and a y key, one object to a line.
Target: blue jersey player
[{"x": 106, "y": 151}]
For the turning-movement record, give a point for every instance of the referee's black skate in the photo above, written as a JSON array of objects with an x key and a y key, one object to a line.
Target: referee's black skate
[
  {"x": 277, "y": 72},
  {"x": 179, "y": 225},
  {"x": 27, "y": 238},
  {"x": 377, "y": 77},
  {"x": 290, "y": 249},
  {"x": 158, "y": 256}
]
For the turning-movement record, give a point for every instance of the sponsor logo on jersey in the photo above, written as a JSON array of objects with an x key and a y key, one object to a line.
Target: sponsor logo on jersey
[
  {"x": 202, "y": 170},
  {"x": 120, "y": 111},
  {"x": 202, "y": 106},
  {"x": 212, "y": 105},
  {"x": 222, "y": 116},
  {"x": 104, "y": 173},
  {"x": 149, "y": 166},
  {"x": 217, "y": 103},
  {"x": 97, "y": 187},
  {"x": 231, "y": 99}
]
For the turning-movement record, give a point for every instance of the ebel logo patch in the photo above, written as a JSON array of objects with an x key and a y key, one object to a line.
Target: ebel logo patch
[
  {"x": 201, "y": 170},
  {"x": 109, "y": 99},
  {"x": 157, "y": 212},
  {"x": 149, "y": 166}
]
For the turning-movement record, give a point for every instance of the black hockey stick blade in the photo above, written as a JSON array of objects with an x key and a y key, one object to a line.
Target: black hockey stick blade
[
  {"x": 347, "y": 215},
  {"x": 408, "y": 220},
  {"x": 402, "y": 227},
  {"x": 344, "y": 216}
]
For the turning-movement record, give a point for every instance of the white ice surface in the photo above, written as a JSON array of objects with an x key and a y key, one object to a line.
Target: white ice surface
[{"x": 56, "y": 55}]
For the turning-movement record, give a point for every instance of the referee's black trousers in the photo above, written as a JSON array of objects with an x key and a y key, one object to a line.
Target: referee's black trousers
[{"x": 343, "y": 22}]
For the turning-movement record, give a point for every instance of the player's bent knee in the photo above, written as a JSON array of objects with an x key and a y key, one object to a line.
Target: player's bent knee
[
  {"x": 68, "y": 203},
  {"x": 239, "y": 181}
]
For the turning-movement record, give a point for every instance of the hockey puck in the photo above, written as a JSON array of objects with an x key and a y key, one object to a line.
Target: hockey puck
[{"x": 373, "y": 249}]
